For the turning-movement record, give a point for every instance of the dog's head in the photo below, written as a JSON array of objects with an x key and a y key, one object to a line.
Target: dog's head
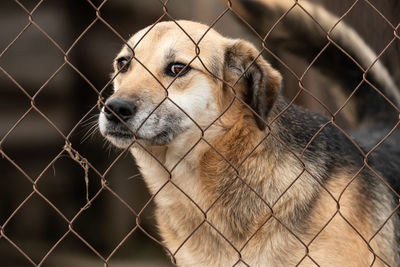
[{"x": 178, "y": 80}]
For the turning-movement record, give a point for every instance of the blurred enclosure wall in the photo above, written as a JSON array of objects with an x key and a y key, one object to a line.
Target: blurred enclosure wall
[{"x": 65, "y": 94}]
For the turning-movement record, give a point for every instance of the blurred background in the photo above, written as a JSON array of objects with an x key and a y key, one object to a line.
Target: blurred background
[{"x": 67, "y": 97}]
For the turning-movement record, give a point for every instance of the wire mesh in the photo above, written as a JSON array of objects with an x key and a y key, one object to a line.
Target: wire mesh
[{"x": 68, "y": 148}]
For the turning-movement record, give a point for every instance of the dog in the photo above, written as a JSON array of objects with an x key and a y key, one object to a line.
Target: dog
[{"x": 240, "y": 176}]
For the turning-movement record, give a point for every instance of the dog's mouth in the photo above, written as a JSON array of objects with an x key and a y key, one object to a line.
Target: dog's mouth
[
  {"x": 120, "y": 134},
  {"x": 122, "y": 137},
  {"x": 119, "y": 137},
  {"x": 126, "y": 138}
]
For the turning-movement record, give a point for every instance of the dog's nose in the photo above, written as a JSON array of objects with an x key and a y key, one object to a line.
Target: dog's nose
[{"x": 122, "y": 108}]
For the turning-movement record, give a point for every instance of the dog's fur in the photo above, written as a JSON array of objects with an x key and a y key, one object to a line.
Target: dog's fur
[{"x": 240, "y": 176}]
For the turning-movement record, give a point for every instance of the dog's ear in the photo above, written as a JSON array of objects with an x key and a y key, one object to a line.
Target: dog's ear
[{"x": 259, "y": 83}]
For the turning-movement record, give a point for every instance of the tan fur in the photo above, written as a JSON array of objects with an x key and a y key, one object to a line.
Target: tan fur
[
  {"x": 340, "y": 237},
  {"x": 223, "y": 201}
]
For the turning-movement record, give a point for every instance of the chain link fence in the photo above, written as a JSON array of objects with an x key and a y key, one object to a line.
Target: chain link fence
[{"x": 68, "y": 199}]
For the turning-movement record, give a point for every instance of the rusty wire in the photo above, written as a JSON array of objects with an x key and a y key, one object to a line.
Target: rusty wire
[{"x": 86, "y": 165}]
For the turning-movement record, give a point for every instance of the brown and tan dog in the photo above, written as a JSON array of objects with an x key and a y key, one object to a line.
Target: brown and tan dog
[{"x": 241, "y": 176}]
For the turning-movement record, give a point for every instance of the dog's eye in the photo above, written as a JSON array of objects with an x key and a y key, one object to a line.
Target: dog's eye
[
  {"x": 123, "y": 64},
  {"x": 175, "y": 69}
]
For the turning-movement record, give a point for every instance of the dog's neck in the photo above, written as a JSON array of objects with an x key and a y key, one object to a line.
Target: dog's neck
[{"x": 193, "y": 164}]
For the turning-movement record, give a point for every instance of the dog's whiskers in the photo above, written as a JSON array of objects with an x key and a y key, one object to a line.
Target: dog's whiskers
[
  {"x": 90, "y": 133},
  {"x": 134, "y": 176},
  {"x": 92, "y": 124},
  {"x": 89, "y": 121}
]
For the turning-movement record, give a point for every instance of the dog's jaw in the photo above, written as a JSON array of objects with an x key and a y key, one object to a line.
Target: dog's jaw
[{"x": 150, "y": 130}]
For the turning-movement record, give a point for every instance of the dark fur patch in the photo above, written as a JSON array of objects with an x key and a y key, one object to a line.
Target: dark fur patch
[
  {"x": 253, "y": 7},
  {"x": 214, "y": 67},
  {"x": 256, "y": 95},
  {"x": 259, "y": 94},
  {"x": 170, "y": 56}
]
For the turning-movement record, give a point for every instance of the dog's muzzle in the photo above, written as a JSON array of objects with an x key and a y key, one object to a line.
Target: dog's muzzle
[{"x": 123, "y": 123}]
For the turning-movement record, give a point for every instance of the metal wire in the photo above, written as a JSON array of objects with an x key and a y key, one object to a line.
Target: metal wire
[{"x": 87, "y": 166}]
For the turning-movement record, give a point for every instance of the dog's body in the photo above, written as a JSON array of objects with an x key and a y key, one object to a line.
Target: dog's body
[{"x": 240, "y": 176}]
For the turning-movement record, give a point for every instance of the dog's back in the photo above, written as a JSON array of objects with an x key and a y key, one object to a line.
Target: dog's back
[{"x": 348, "y": 60}]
